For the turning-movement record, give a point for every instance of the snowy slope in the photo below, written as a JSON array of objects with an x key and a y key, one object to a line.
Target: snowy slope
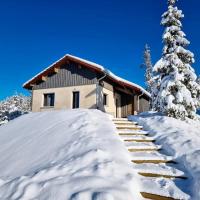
[
  {"x": 65, "y": 155},
  {"x": 181, "y": 140}
]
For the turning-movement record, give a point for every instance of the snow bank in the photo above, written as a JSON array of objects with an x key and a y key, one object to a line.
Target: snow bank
[
  {"x": 65, "y": 155},
  {"x": 179, "y": 139}
]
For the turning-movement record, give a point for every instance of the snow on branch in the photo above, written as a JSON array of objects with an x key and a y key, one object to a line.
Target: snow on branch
[
  {"x": 172, "y": 2},
  {"x": 13, "y": 107},
  {"x": 176, "y": 91}
]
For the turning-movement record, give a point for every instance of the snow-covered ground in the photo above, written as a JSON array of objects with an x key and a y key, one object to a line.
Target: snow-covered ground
[
  {"x": 65, "y": 155},
  {"x": 181, "y": 140},
  {"x": 78, "y": 155}
]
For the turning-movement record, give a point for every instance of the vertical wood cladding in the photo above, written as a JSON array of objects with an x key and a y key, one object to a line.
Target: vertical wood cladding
[
  {"x": 68, "y": 75},
  {"x": 144, "y": 105}
]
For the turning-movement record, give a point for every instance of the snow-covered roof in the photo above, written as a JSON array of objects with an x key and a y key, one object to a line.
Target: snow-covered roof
[{"x": 91, "y": 65}]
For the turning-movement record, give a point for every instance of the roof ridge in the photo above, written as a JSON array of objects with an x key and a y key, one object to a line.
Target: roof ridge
[{"x": 98, "y": 66}]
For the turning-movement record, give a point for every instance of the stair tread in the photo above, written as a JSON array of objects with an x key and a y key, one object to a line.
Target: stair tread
[
  {"x": 125, "y": 122},
  {"x": 128, "y": 126},
  {"x": 141, "y": 144},
  {"x": 133, "y": 132},
  {"x": 141, "y": 137},
  {"x": 149, "y": 156},
  {"x": 144, "y": 146},
  {"x": 163, "y": 187},
  {"x": 120, "y": 119},
  {"x": 138, "y": 140},
  {"x": 161, "y": 169}
]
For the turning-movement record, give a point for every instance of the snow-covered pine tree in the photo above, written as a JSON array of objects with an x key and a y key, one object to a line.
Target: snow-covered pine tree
[
  {"x": 198, "y": 80},
  {"x": 148, "y": 68},
  {"x": 176, "y": 91}
]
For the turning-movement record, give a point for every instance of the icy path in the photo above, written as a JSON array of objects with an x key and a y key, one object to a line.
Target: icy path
[{"x": 158, "y": 178}]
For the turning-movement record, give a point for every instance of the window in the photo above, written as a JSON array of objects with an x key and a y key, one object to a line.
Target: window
[
  {"x": 49, "y": 99},
  {"x": 105, "y": 99},
  {"x": 75, "y": 101}
]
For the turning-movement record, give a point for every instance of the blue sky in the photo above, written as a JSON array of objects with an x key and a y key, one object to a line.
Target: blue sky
[{"x": 113, "y": 33}]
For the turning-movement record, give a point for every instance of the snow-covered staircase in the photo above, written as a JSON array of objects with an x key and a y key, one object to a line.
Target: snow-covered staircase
[{"x": 157, "y": 177}]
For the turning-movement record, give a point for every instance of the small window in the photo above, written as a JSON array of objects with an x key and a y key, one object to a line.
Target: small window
[
  {"x": 105, "y": 99},
  {"x": 49, "y": 99},
  {"x": 76, "y": 99}
]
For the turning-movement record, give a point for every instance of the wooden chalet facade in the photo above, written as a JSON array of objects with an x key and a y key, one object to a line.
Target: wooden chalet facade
[{"x": 72, "y": 82}]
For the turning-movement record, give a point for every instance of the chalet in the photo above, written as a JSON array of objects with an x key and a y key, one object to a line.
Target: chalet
[{"x": 72, "y": 83}]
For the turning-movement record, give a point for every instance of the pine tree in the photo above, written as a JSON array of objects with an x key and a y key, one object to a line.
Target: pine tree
[
  {"x": 198, "y": 80},
  {"x": 176, "y": 90},
  {"x": 149, "y": 67}
]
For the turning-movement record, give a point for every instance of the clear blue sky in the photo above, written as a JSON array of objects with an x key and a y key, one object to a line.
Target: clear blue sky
[{"x": 35, "y": 33}]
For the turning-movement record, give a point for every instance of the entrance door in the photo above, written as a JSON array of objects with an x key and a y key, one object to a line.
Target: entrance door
[
  {"x": 117, "y": 105},
  {"x": 127, "y": 105},
  {"x": 76, "y": 99}
]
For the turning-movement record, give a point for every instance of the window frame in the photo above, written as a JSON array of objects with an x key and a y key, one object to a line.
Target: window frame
[
  {"x": 74, "y": 105},
  {"x": 105, "y": 99},
  {"x": 46, "y": 102}
]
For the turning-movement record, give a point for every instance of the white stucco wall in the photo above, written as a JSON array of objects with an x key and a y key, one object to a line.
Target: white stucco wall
[
  {"x": 110, "y": 108},
  {"x": 63, "y": 97}
]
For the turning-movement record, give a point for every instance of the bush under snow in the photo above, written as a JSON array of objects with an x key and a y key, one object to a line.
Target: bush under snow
[{"x": 13, "y": 107}]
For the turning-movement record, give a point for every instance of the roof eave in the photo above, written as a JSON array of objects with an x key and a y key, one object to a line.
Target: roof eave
[{"x": 29, "y": 84}]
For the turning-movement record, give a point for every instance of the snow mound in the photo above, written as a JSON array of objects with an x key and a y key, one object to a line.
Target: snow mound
[
  {"x": 65, "y": 155},
  {"x": 180, "y": 139}
]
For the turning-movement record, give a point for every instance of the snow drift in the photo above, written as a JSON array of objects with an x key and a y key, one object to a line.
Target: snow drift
[
  {"x": 180, "y": 139},
  {"x": 65, "y": 155}
]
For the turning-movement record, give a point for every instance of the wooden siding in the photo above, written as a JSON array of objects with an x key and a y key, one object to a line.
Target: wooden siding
[
  {"x": 68, "y": 75},
  {"x": 144, "y": 105}
]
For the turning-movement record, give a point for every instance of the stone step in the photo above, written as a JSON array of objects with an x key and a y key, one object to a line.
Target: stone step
[
  {"x": 129, "y": 127},
  {"x": 120, "y": 119},
  {"x": 141, "y": 137},
  {"x": 150, "y": 196},
  {"x": 142, "y": 150},
  {"x": 139, "y": 140},
  {"x": 142, "y": 147},
  {"x": 161, "y": 189},
  {"x": 159, "y": 170},
  {"x": 125, "y": 123},
  {"x": 150, "y": 157},
  {"x": 156, "y": 161},
  {"x": 160, "y": 175},
  {"x": 133, "y": 132}
]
